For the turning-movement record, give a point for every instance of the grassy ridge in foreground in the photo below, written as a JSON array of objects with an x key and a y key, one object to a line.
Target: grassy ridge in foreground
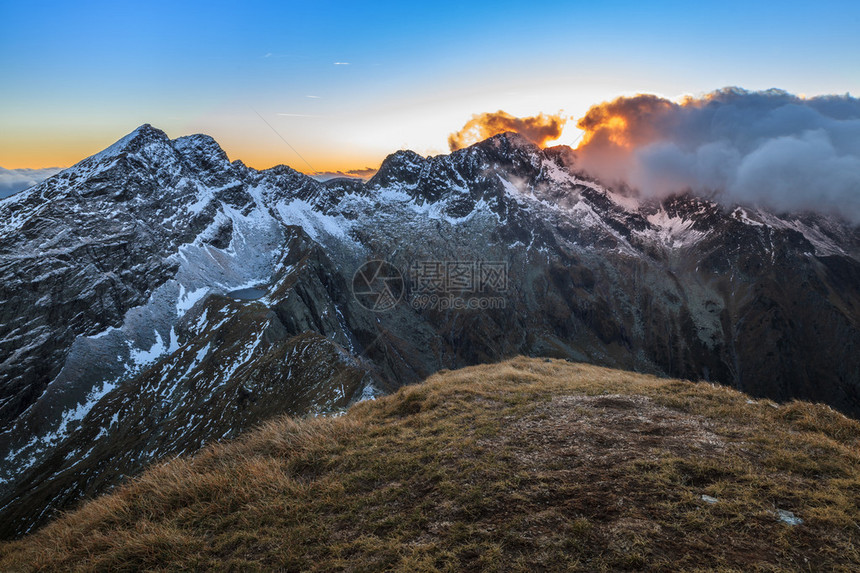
[{"x": 524, "y": 465}]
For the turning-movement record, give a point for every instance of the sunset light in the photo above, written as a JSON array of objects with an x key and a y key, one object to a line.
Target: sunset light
[{"x": 348, "y": 89}]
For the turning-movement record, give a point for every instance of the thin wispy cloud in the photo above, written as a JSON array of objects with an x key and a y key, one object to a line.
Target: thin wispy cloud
[
  {"x": 341, "y": 63},
  {"x": 269, "y": 55},
  {"x": 298, "y": 115},
  {"x": 313, "y": 97},
  {"x": 282, "y": 138}
]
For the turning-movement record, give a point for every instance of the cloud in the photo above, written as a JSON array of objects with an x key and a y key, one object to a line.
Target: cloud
[
  {"x": 14, "y": 180},
  {"x": 539, "y": 128},
  {"x": 363, "y": 174},
  {"x": 342, "y": 63},
  {"x": 366, "y": 172},
  {"x": 767, "y": 148},
  {"x": 312, "y": 96}
]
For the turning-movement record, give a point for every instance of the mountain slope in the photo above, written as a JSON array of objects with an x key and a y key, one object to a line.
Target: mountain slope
[
  {"x": 115, "y": 353},
  {"x": 526, "y": 465},
  {"x": 157, "y": 297}
]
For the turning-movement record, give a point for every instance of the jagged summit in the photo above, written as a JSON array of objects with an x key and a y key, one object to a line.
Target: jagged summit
[
  {"x": 141, "y": 136},
  {"x": 200, "y": 147},
  {"x": 405, "y": 166},
  {"x": 402, "y": 166},
  {"x": 507, "y": 140},
  {"x": 150, "y": 144},
  {"x": 143, "y": 132},
  {"x": 146, "y": 135}
]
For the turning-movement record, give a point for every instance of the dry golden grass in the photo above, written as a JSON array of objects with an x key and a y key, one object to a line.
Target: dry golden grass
[{"x": 527, "y": 465}]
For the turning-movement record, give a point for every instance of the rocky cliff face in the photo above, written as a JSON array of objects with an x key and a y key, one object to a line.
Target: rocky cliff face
[{"x": 156, "y": 297}]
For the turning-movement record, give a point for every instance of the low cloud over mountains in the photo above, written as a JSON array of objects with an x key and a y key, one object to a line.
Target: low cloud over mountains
[
  {"x": 767, "y": 148},
  {"x": 14, "y": 180}
]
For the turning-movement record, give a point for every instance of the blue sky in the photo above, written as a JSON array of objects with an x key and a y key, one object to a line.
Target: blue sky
[{"x": 383, "y": 75}]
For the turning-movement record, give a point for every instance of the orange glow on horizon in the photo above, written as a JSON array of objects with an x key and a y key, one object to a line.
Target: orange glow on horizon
[
  {"x": 41, "y": 154},
  {"x": 67, "y": 157},
  {"x": 31, "y": 157},
  {"x": 308, "y": 163},
  {"x": 261, "y": 149}
]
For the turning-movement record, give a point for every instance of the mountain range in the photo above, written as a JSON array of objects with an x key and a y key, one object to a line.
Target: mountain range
[{"x": 156, "y": 296}]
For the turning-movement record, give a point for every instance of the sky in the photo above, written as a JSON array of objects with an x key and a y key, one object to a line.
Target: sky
[{"x": 337, "y": 86}]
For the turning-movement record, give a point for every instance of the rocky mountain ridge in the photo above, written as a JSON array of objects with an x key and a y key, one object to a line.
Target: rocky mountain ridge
[{"x": 156, "y": 296}]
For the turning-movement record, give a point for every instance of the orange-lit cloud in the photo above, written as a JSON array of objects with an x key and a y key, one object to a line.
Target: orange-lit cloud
[
  {"x": 539, "y": 128},
  {"x": 615, "y": 129},
  {"x": 766, "y": 148},
  {"x": 624, "y": 122}
]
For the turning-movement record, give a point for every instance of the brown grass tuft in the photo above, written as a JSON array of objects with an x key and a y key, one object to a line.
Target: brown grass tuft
[{"x": 521, "y": 466}]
